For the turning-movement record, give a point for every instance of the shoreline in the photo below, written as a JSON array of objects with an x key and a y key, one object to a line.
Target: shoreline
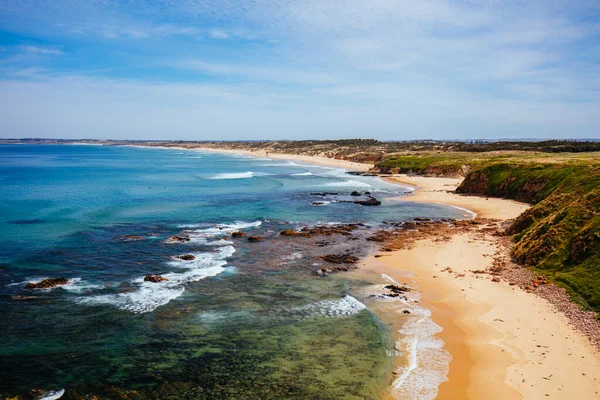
[{"x": 497, "y": 334}]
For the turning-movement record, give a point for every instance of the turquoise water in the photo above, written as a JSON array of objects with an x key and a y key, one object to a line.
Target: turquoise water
[{"x": 239, "y": 321}]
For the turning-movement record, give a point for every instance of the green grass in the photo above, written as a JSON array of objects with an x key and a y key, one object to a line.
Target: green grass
[{"x": 559, "y": 235}]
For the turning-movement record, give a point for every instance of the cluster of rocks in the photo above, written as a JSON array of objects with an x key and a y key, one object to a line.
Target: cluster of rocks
[
  {"x": 340, "y": 258},
  {"x": 47, "y": 283},
  {"x": 323, "y": 230}
]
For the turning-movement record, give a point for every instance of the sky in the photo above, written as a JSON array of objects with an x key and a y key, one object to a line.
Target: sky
[{"x": 300, "y": 69}]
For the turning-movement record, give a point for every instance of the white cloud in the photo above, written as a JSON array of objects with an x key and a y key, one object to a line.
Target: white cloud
[
  {"x": 42, "y": 51},
  {"x": 218, "y": 34}
]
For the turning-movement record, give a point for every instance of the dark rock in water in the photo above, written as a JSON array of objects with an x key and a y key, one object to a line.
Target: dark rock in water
[
  {"x": 254, "y": 239},
  {"x": 187, "y": 257},
  {"x": 293, "y": 233},
  {"x": 367, "y": 193},
  {"x": 238, "y": 234},
  {"x": 406, "y": 312},
  {"x": 318, "y": 203},
  {"x": 27, "y": 221},
  {"x": 419, "y": 219},
  {"x": 155, "y": 278},
  {"x": 370, "y": 201},
  {"x": 355, "y": 193},
  {"x": 323, "y": 194},
  {"x": 340, "y": 259},
  {"x": 47, "y": 283},
  {"x": 178, "y": 239},
  {"x": 398, "y": 289},
  {"x": 131, "y": 237}
]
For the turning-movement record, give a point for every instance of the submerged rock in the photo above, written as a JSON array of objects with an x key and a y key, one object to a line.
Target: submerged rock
[
  {"x": 187, "y": 257},
  {"x": 293, "y": 233},
  {"x": 355, "y": 193},
  {"x": 254, "y": 239},
  {"x": 398, "y": 289},
  {"x": 47, "y": 283},
  {"x": 178, "y": 239},
  {"x": 155, "y": 278},
  {"x": 340, "y": 258},
  {"x": 131, "y": 237},
  {"x": 370, "y": 201},
  {"x": 238, "y": 234}
]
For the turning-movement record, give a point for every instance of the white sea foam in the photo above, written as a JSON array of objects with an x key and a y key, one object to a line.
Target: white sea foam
[
  {"x": 344, "y": 307},
  {"x": 234, "y": 175},
  {"x": 206, "y": 242},
  {"x": 303, "y": 174},
  {"x": 222, "y": 228},
  {"x": 427, "y": 361},
  {"x": 348, "y": 183},
  {"x": 78, "y": 285},
  {"x": 282, "y": 164},
  {"x": 320, "y": 203},
  {"x": 151, "y": 295},
  {"x": 53, "y": 395}
]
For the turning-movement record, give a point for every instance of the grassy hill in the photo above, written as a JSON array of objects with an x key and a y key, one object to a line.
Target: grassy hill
[{"x": 560, "y": 235}]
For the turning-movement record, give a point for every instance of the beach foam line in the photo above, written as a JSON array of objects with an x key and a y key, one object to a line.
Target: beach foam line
[
  {"x": 221, "y": 228},
  {"x": 303, "y": 174},
  {"x": 348, "y": 183},
  {"x": 234, "y": 175},
  {"x": 472, "y": 213},
  {"x": 428, "y": 362}
]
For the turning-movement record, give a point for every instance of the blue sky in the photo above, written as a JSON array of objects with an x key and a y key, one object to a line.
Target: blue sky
[{"x": 293, "y": 69}]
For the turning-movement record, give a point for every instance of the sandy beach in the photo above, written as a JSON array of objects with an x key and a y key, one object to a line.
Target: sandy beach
[{"x": 505, "y": 343}]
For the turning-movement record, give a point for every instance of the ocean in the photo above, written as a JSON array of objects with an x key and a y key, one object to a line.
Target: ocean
[{"x": 240, "y": 320}]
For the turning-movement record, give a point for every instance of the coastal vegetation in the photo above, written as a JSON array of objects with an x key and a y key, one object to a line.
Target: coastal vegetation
[{"x": 559, "y": 236}]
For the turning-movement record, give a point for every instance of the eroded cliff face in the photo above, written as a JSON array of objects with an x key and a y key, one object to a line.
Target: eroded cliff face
[
  {"x": 509, "y": 187},
  {"x": 448, "y": 171}
]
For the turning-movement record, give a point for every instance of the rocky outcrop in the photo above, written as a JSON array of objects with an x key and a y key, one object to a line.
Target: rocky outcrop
[
  {"x": 155, "y": 278},
  {"x": 186, "y": 257},
  {"x": 238, "y": 234},
  {"x": 340, "y": 258},
  {"x": 293, "y": 233},
  {"x": 475, "y": 183},
  {"x": 369, "y": 201},
  {"x": 47, "y": 283},
  {"x": 177, "y": 239}
]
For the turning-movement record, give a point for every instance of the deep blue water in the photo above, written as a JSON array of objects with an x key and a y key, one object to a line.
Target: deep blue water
[{"x": 64, "y": 212}]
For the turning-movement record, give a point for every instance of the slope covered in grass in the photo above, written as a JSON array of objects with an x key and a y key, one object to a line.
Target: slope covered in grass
[{"x": 560, "y": 235}]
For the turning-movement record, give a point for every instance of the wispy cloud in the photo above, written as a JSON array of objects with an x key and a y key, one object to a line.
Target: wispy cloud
[{"x": 435, "y": 68}]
